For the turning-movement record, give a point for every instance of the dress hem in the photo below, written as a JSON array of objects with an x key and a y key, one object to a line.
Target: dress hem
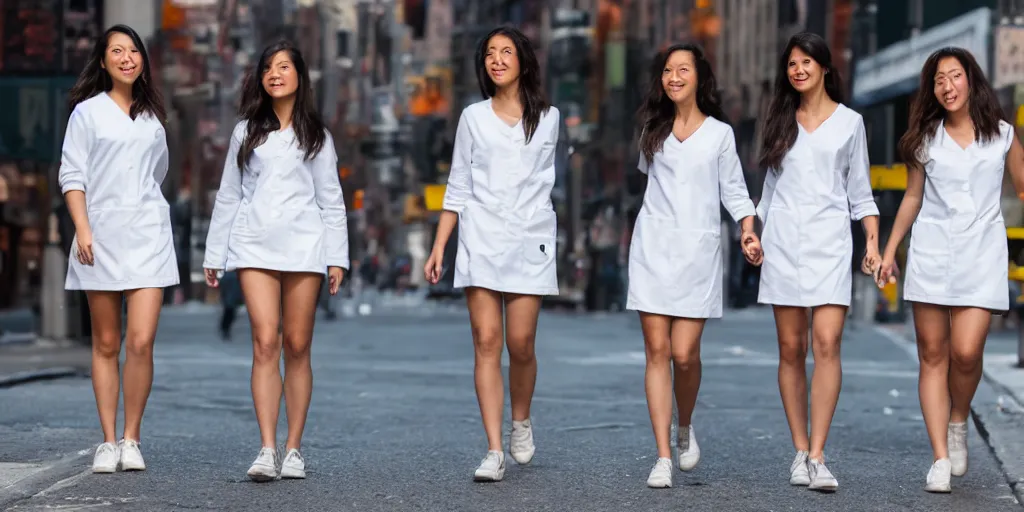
[
  {"x": 543, "y": 292},
  {"x": 951, "y": 302},
  {"x": 696, "y": 314},
  {"x": 120, "y": 286},
  {"x": 794, "y": 304}
]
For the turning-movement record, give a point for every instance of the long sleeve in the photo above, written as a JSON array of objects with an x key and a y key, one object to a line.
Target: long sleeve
[
  {"x": 74, "y": 157},
  {"x": 771, "y": 178},
  {"x": 858, "y": 185},
  {"x": 225, "y": 207},
  {"x": 331, "y": 201},
  {"x": 731, "y": 184},
  {"x": 460, "y": 177}
]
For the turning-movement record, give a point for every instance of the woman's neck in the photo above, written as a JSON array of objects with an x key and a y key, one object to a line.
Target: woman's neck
[
  {"x": 283, "y": 109},
  {"x": 508, "y": 95},
  {"x": 959, "y": 119},
  {"x": 121, "y": 93},
  {"x": 815, "y": 102},
  {"x": 688, "y": 112}
]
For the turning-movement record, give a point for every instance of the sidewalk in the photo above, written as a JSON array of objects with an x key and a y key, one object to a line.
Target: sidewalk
[
  {"x": 41, "y": 360},
  {"x": 998, "y": 407}
]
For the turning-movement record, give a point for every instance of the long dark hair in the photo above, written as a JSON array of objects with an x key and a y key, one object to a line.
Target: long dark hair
[
  {"x": 257, "y": 107},
  {"x": 531, "y": 91},
  {"x": 657, "y": 113},
  {"x": 926, "y": 112},
  {"x": 780, "y": 129},
  {"x": 146, "y": 97}
]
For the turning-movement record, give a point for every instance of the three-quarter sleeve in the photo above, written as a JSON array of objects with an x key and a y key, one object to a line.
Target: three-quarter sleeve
[
  {"x": 225, "y": 207},
  {"x": 858, "y": 185},
  {"x": 771, "y": 178},
  {"x": 331, "y": 201},
  {"x": 460, "y": 177},
  {"x": 74, "y": 156},
  {"x": 731, "y": 184}
]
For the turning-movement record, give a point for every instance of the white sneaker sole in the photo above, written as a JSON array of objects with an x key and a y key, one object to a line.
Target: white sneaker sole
[
  {"x": 104, "y": 469},
  {"x": 261, "y": 474},
  {"x": 133, "y": 467},
  {"x": 486, "y": 477},
  {"x": 940, "y": 489},
  {"x": 824, "y": 487},
  {"x": 659, "y": 484},
  {"x": 523, "y": 458},
  {"x": 294, "y": 474}
]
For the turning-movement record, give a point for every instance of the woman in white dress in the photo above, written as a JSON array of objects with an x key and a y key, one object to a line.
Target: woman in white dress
[
  {"x": 279, "y": 219},
  {"x": 113, "y": 162},
  {"x": 957, "y": 148},
  {"x": 675, "y": 257},
  {"x": 499, "y": 195},
  {"x": 815, "y": 150}
]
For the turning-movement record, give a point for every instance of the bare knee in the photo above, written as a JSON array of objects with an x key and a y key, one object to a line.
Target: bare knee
[
  {"x": 296, "y": 347},
  {"x": 521, "y": 349},
  {"x": 487, "y": 343},
  {"x": 793, "y": 351},
  {"x": 106, "y": 345},
  {"x": 827, "y": 346},
  {"x": 933, "y": 355},
  {"x": 658, "y": 351},
  {"x": 686, "y": 360},
  {"x": 266, "y": 346},
  {"x": 139, "y": 344},
  {"x": 965, "y": 359}
]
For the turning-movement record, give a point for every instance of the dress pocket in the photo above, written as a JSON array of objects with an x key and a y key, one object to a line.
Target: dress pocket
[{"x": 928, "y": 261}]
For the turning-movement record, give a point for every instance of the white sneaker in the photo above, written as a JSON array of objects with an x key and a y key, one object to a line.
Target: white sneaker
[
  {"x": 264, "y": 468},
  {"x": 956, "y": 439},
  {"x": 492, "y": 468},
  {"x": 821, "y": 477},
  {"x": 938, "y": 477},
  {"x": 661, "y": 474},
  {"x": 798, "y": 474},
  {"x": 688, "y": 450},
  {"x": 106, "y": 458},
  {"x": 521, "y": 441},
  {"x": 131, "y": 456},
  {"x": 293, "y": 465}
]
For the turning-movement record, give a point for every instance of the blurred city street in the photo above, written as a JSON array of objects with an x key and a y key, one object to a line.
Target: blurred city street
[{"x": 394, "y": 426}]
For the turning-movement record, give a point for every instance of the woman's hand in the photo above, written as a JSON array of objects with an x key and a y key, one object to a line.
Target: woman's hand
[
  {"x": 335, "y": 275},
  {"x": 432, "y": 270},
  {"x": 751, "y": 246},
  {"x": 84, "y": 247},
  {"x": 887, "y": 272},
  {"x": 211, "y": 277},
  {"x": 872, "y": 263}
]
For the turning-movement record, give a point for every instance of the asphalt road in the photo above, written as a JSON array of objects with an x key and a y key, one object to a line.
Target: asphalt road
[{"x": 394, "y": 426}]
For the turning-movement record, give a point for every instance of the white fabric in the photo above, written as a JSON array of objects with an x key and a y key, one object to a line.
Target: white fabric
[
  {"x": 119, "y": 164},
  {"x": 807, "y": 238},
  {"x": 282, "y": 212},
  {"x": 958, "y": 251},
  {"x": 675, "y": 256},
  {"x": 501, "y": 188}
]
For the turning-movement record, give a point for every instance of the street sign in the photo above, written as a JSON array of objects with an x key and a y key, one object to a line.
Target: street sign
[{"x": 34, "y": 116}]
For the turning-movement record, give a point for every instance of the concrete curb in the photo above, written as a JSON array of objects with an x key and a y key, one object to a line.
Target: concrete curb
[
  {"x": 998, "y": 417},
  {"x": 54, "y": 473},
  {"x": 8, "y": 381}
]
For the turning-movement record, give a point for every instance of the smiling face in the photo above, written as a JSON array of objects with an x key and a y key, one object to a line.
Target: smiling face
[
  {"x": 280, "y": 79},
  {"x": 502, "y": 61},
  {"x": 679, "y": 77},
  {"x": 122, "y": 60},
  {"x": 952, "y": 88},
  {"x": 805, "y": 74}
]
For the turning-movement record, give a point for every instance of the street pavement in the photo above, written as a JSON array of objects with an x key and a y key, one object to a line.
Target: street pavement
[{"x": 394, "y": 426}]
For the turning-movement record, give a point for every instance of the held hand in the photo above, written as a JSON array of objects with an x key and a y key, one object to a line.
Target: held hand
[
  {"x": 887, "y": 273},
  {"x": 83, "y": 248},
  {"x": 211, "y": 277},
  {"x": 335, "y": 275},
  {"x": 872, "y": 264},
  {"x": 432, "y": 270},
  {"x": 751, "y": 246}
]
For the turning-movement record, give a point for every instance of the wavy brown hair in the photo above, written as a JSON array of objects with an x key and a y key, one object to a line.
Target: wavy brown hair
[
  {"x": 146, "y": 98},
  {"x": 531, "y": 89},
  {"x": 657, "y": 113},
  {"x": 257, "y": 107},
  {"x": 926, "y": 112},
  {"x": 780, "y": 129}
]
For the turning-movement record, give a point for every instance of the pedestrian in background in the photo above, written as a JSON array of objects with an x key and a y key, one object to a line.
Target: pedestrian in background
[
  {"x": 957, "y": 148},
  {"x": 675, "y": 256},
  {"x": 113, "y": 162},
  {"x": 815, "y": 150},
  {"x": 499, "y": 193},
  {"x": 279, "y": 218}
]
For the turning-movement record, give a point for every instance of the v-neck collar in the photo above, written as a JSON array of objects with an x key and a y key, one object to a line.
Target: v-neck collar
[
  {"x": 839, "y": 106},
  {"x": 127, "y": 115},
  {"x": 490, "y": 107},
  {"x": 672, "y": 133},
  {"x": 945, "y": 134}
]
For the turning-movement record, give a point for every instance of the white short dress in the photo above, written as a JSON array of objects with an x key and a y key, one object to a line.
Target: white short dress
[
  {"x": 958, "y": 251},
  {"x": 807, "y": 209},
  {"x": 675, "y": 255},
  {"x": 119, "y": 163},
  {"x": 500, "y": 186},
  {"x": 282, "y": 212}
]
